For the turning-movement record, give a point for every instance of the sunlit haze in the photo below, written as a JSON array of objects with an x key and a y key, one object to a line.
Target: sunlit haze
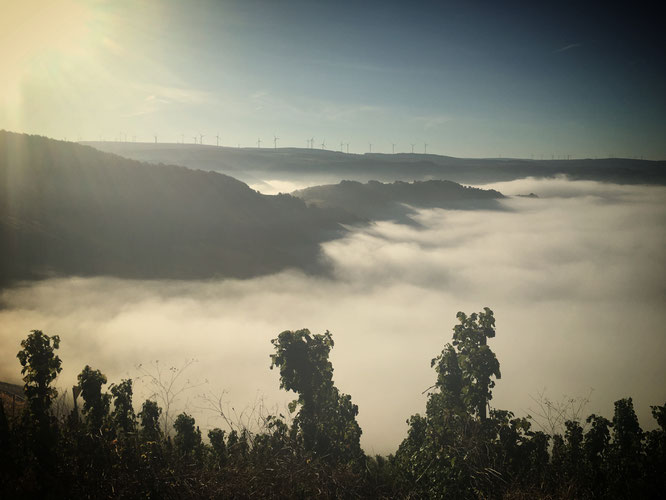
[
  {"x": 317, "y": 249},
  {"x": 469, "y": 80}
]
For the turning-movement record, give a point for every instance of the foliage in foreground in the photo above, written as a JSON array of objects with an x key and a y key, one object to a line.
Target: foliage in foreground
[{"x": 460, "y": 448}]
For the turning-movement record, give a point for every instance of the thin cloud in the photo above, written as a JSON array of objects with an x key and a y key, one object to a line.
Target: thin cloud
[
  {"x": 356, "y": 66},
  {"x": 180, "y": 94},
  {"x": 431, "y": 122},
  {"x": 161, "y": 96},
  {"x": 567, "y": 47},
  {"x": 313, "y": 110},
  {"x": 334, "y": 112}
]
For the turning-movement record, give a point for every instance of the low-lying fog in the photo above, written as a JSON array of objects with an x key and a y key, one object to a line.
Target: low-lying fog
[
  {"x": 276, "y": 186},
  {"x": 576, "y": 279}
]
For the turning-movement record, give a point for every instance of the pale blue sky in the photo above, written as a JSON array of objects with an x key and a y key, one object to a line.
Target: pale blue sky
[{"x": 471, "y": 79}]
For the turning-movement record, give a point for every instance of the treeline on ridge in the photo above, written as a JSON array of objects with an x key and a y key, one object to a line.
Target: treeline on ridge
[{"x": 381, "y": 201}]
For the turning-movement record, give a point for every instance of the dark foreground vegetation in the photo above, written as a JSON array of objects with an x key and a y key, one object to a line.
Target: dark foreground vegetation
[{"x": 460, "y": 447}]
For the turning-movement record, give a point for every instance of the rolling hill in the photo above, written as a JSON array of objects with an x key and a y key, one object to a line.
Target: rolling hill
[
  {"x": 376, "y": 201},
  {"x": 69, "y": 209}
]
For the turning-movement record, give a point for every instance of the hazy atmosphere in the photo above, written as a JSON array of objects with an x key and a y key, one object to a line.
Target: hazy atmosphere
[
  {"x": 295, "y": 249},
  {"x": 576, "y": 278},
  {"x": 471, "y": 80}
]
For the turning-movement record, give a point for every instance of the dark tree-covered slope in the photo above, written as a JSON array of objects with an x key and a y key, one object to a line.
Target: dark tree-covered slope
[
  {"x": 376, "y": 200},
  {"x": 68, "y": 209}
]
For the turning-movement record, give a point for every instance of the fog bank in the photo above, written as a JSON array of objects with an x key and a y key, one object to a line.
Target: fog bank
[{"x": 576, "y": 279}]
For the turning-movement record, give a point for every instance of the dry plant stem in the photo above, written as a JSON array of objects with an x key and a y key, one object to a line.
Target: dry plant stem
[
  {"x": 168, "y": 386},
  {"x": 551, "y": 415}
]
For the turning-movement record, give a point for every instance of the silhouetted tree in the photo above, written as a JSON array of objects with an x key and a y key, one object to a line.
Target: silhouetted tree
[
  {"x": 217, "y": 443},
  {"x": 150, "y": 421},
  {"x": 123, "y": 416},
  {"x": 327, "y": 418},
  {"x": 596, "y": 448},
  {"x": 95, "y": 402},
  {"x": 40, "y": 367},
  {"x": 477, "y": 363},
  {"x": 232, "y": 445},
  {"x": 447, "y": 452},
  {"x": 655, "y": 451},
  {"x": 627, "y": 447},
  {"x": 188, "y": 436}
]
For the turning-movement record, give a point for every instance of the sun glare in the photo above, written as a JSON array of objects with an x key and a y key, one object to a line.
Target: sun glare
[{"x": 38, "y": 36}]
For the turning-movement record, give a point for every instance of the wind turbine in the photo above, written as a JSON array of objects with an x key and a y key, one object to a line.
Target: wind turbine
[
  {"x": 412, "y": 145},
  {"x": 201, "y": 136},
  {"x": 258, "y": 143},
  {"x": 312, "y": 143},
  {"x": 217, "y": 140},
  {"x": 182, "y": 138},
  {"x": 275, "y": 139},
  {"x": 323, "y": 144},
  {"x": 371, "y": 147},
  {"x": 341, "y": 147},
  {"x": 392, "y": 148},
  {"x": 347, "y": 148},
  {"x": 155, "y": 139},
  {"x": 425, "y": 148}
]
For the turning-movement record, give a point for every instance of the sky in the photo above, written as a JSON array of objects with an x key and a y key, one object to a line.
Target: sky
[
  {"x": 469, "y": 79},
  {"x": 574, "y": 277}
]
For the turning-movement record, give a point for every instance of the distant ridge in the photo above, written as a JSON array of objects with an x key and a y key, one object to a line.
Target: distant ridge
[{"x": 323, "y": 166}]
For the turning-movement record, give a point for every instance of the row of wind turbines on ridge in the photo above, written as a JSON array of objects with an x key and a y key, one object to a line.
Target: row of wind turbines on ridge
[{"x": 344, "y": 146}]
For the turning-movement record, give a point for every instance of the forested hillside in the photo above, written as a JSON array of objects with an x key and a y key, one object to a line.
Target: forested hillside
[
  {"x": 67, "y": 209},
  {"x": 376, "y": 200}
]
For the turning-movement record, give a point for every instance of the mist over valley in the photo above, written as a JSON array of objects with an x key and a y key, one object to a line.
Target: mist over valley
[
  {"x": 382, "y": 250},
  {"x": 575, "y": 277}
]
